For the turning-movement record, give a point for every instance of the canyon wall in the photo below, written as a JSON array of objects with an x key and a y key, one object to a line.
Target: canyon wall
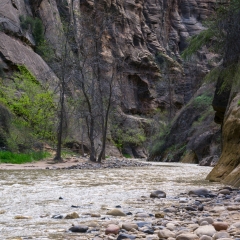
[{"x": 149, "y": 35}]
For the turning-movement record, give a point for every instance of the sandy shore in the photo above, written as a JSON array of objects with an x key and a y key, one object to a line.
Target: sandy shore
[{"x": 43, "y": 164}]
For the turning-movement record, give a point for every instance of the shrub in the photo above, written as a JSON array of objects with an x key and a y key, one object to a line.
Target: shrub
[
  {"x": 32, "y": 105},
  {"x": 202, "y": 101},
  {"x": 128, "y": 136},
  {"x": 37, "y": 28}
]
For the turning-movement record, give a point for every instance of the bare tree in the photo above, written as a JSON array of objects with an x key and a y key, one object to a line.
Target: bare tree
[{"x": 95, "y": 76}]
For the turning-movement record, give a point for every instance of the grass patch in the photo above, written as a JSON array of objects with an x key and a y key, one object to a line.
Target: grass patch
[
  {"x": 239, "y": 103},
  {"x": 19, "y": 158},
  {"x": 126, "y": 155}
]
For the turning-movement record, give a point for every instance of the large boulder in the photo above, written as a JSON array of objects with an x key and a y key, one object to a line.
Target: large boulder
[
  {"x": 227, "y": 169},
  {"x": 17, "y": 53}
]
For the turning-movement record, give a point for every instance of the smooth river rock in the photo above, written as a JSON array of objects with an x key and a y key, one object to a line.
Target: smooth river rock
[
  {"x": 220, "y": 235},
  {"x": 165, "y": 233},
  {"x": 208, "y": 230},
  {"x": 207, "y": 219},
  {"x": 116, "y": 212},
  {"x": 79, "y": 228},
  {"x": 112, "y": 229},
  {"x": 158, "y": 194},
  {"x": 125, "y": 236},
  {"x": 199, "y": 192},
  {"x": 129, "y": 225},
  {"x": 187, "y": 236},
  {"x": 72, "y": 215},
  {"x": 220, "y": 226}
]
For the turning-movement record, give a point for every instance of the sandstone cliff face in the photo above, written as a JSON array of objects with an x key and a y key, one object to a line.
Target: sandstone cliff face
[
  {"x": 193, "y": 137},
  {"x": 148, "y": 34},
  {"x": 228, "y": 167}
]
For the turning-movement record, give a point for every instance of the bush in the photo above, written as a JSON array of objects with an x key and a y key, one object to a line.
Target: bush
[
  {"x": 202, "y": 101},
  {"x": 33, "y": 106},
  {"x": 128, "y": 136},
  {"x": 37, "y": 28}
]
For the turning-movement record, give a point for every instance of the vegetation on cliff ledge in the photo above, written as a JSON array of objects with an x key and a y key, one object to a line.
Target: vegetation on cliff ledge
[{"x": 32, "y": 107}]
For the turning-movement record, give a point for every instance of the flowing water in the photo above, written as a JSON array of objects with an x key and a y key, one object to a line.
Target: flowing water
[{"x": 35, "y": 193}]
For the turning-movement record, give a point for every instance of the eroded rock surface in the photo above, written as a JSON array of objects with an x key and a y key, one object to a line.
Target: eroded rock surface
[
  {"x": 149, "y": 35},
  {"x": 228, "y": 167}
]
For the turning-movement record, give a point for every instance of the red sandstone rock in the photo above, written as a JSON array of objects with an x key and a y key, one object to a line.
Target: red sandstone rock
[
  {"x": 112, "y": 229},
  {"x": 220, "y": 226}
]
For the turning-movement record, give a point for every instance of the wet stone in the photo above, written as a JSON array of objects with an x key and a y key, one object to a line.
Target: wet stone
[
  {"x": 204, "y": 223},
  {"x": 125, "y": 236},
  {"x": 159, "y": 215},
  {"x": 205, "y": 237},
  {"x": 207, "y": 219},
  {"x": 158, "y": 194},
  {"x": 142, "y": 215},
  {"x": 165, "y": 233},
  {"x": 79, "y": 228},
  {"x": 224, "y": 192},
  {"x": 187, "y": 236},
  {"x": 72, "y": 215},
  {"x": 129, "y": 225},
  {"x": 95, "y": 215},
  {"x": 22, "y": 217},
  {"x": 116, "y": 212},
  {"x": 58, "y": 216},
  {"x": 142, "y": 224},
  {"x": 221, "y": 235},
  {"x": 190, "y": 208},
  {"x": 199, "y": 192}
]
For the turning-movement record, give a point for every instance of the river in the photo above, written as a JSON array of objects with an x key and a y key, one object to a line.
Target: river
[{"x": 36, "y": 193}]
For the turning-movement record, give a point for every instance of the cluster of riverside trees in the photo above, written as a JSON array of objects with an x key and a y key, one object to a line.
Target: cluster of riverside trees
[{"x": 91, "y": 81}]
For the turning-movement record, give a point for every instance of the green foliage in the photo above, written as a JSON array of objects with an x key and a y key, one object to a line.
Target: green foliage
[
  {"x": 215, "y": 34},
  {"x": 18, "y": 158},
  {"x": 239, "y": 103},
  {"x": 220, "y": 37},
  {"x": 135, "y": 136},
  {"x": 38, "y": 31},
  {"x": 203, "y": 101},
  {"x": 175, "y": 149},
  {"x": 159, "y": 142},
  {"x": 208, "y": 112},
  {"x": 126, "y": 155},
  {"x": 37, "y": 28},
  {"x": 230, "y": 75},
  {"x": 198, "y": 41},
  {"x": 33, "y": 105}
]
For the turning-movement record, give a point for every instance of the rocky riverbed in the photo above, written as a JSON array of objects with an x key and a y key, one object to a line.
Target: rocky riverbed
[
  {"x": 76, "y": 162},
  {"x": 198, "y": 214},
  {"x": 160, "y": 201},
  {"x": 108, "y": 163}
]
